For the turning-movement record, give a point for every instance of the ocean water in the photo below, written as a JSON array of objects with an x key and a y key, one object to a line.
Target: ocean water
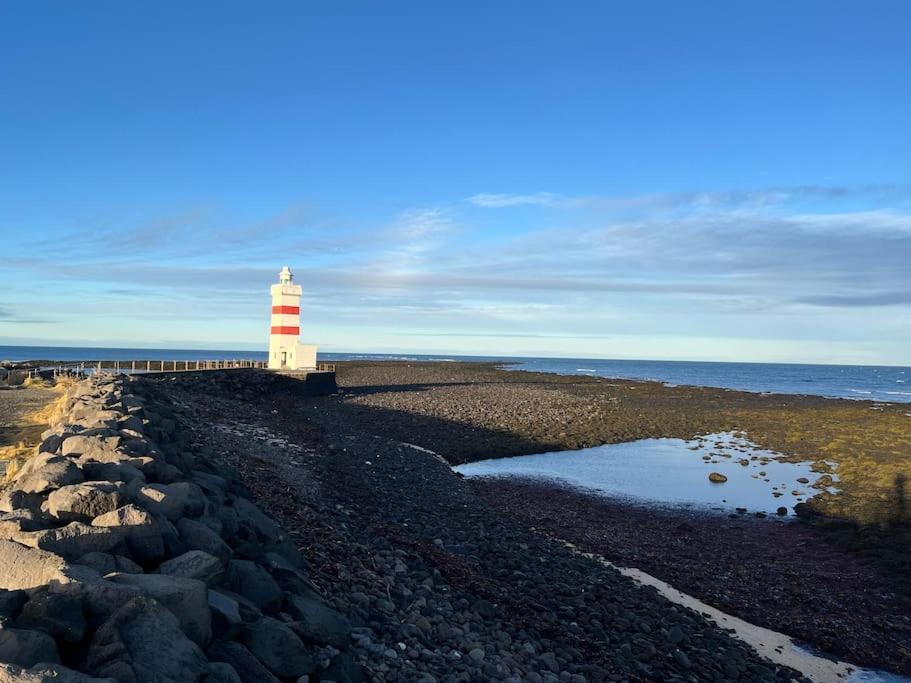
[{"x": 870, "y": 382}]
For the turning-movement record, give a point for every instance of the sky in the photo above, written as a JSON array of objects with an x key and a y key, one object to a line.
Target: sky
[{"x": 698, "y": 181}]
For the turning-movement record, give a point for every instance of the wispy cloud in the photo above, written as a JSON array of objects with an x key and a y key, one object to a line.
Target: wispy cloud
[
  {"x": 698, "y": 200},
  {"x": 545, "y": 199},
  {"x": 782, "y": 262}
]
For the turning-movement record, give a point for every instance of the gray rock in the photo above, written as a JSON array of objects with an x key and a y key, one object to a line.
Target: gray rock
[
  {"x": 214, "y": 486},
  {"x": 25, "y": 568},
  {"x": 316, "y": 621},
  {"x": 51, "y": 444},
  {"x": 221, "y": 672},
  {"x": 192, "y": 494},
  {"x": 242, "y": 661},
  {"x": 46, "y": 673},
  {"x": 13, "y": 499},
  {"x": 57, "y": 614},
  {"x": 198, "y": 536},
  {"x": 195, "y": 564},
  {"x": 162, "y": 499},
  {"x": 249, "y": 612},
  {"x": 73, "y": 540},
  {"x": 27, "y": 648},
  {"x": 254, "y": 583},
  {"x": 185, "y": 598},
  {"x": 225, "y": 611},
  {"x": 11, "y": 603},
  {"x": 84, "y": 502},
  {"x": 105, "y": 563},
  {"x": 344, "y": 667},
  {"x": 251, "y": 517},
  {"x": 91, "y": 446},
  {"x": 100, "y": 599},
  {"x": 142, "y": 643},
  {"x": 47, "y": 473},
  {"x": 93, "y": 470},
  {"x": 141, "y": 531},
  {"x": 277, "y": 647}
]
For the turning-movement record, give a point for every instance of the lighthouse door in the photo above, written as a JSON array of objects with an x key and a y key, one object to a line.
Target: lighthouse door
[{"x": 284, "y": 359}]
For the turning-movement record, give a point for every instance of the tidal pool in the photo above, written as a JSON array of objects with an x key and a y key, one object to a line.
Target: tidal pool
[{"x": 672, "y": 472}]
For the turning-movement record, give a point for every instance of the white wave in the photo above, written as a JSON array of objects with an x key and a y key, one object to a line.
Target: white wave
[
  {"x": 860, "y": 391},
  {"x": 585, "y": 370},
  {"x": 898, "y": 393}
]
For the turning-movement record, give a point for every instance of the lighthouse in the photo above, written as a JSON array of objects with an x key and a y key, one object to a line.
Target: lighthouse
[{"x": 285, "y": 350}]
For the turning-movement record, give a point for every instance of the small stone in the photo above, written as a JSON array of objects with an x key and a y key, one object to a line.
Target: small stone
[{"x": 717, "y": 478}]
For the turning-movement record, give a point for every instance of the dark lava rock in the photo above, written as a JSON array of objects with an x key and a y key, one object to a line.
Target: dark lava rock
[{"x": 248, "y": 667}]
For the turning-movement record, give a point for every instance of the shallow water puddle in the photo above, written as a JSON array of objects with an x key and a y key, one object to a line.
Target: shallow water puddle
[{"x": 673, "y": 472}]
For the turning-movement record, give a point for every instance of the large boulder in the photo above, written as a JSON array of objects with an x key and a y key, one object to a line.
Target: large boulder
[
  {"x": 142, "y": 532},
  {"x": 24, "y": 568},
  {"x": 142, "y": 643},
  {"x": 26, "y": 648},
  {"x": 278, "y": 648},
  {"x": 73, "y": 540},
  {"x": 98, "y": 447},
  {"x": 46, "y": 472},
  {"x": 195, "y": 500},
  {"x": 12, "y": 499},
  {"x": 195, "y": 564},
  {"x": 121, "y": 470},
  {"x": 105, "y": 563},
  {"x": 251, "y": 518},
  {"x": 100, "y": 598},
  {"x": 225, "y": 611},
  {"x": 162, "y": 499},
  {"x": 197, "y": 536},
  {"x": 57, "y": 614},
  {"x": 254, "y": 583},
  {"x": 316, "y": 621},
  {"x": 248, "y": 667},
  {"x": 187, "y": 599},
  {"x": 83, "y": 502},
  {"x": 11, "y": 603},
  {"x": 221, "y": 672}
]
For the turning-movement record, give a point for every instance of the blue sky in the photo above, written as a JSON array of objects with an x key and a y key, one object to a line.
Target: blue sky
[{"x": 719, "y": 181}]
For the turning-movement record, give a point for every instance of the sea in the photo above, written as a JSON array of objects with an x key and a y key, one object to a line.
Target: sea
[{"x": 887, "y": 384}]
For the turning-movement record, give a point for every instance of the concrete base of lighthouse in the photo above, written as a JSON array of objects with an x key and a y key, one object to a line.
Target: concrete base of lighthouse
[{"x": 292, "y": 357}]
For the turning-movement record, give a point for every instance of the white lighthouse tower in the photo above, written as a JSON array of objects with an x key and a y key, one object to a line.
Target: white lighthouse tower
[{"x": 285, "y": 350}]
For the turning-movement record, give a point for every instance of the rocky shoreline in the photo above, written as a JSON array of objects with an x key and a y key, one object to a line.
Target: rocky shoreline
[
  {"x": 389, "y": 565},
  {"x": 440, "y": 586},
  {"x": 127, "y": 558}
]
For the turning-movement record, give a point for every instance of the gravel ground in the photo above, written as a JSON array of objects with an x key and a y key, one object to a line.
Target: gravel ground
[
  {"x": 444, "y": 586},
  {"x": 780, "y": 575}
]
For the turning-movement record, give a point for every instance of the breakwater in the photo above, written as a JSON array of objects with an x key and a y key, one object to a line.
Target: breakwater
[{"x": 126, "y": 558}]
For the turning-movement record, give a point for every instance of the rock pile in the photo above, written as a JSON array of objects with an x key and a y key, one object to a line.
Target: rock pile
[{"x": 125, "y": 558}]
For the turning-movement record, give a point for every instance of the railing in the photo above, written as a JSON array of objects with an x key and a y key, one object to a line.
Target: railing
[{"x": 83, "y": 369}]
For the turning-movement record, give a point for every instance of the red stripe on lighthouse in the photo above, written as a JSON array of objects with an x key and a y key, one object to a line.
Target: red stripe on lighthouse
[
  {"x": 278, "y": 329},
  {"x": 286, "y": 310}
]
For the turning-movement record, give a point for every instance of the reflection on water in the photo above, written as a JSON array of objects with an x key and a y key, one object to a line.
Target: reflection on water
[{"x": 673, "y": 472}]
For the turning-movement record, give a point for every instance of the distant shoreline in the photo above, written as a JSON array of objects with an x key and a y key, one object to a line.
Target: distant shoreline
[{"x": 882, "y": 384}]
